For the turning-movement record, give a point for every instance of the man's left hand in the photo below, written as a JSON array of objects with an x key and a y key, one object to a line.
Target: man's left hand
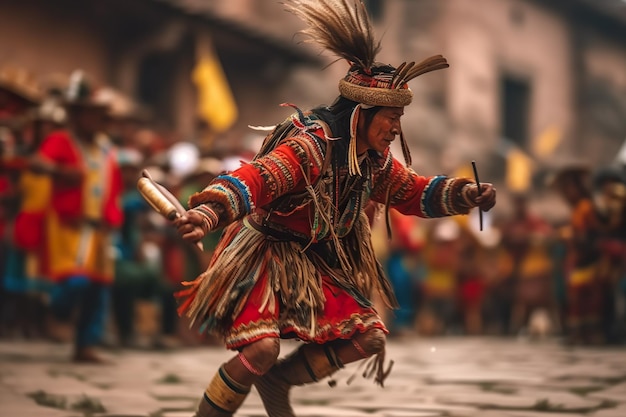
[{"x": 487, "y": 197}]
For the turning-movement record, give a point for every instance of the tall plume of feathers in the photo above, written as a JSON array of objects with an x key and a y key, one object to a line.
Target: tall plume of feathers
[
  {"x": 341, "y": 26},
  {"x": 406, "y": 72}
]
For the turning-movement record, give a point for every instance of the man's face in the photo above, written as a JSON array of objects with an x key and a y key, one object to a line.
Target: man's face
[
  {"x": 383, "y": 129},
  {"x": 89, "y": 120}
]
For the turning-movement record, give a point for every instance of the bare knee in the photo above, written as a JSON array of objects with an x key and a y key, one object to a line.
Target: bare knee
[
  {"x": 263, "y": 353},
  {"x": 372, "y": 341}
]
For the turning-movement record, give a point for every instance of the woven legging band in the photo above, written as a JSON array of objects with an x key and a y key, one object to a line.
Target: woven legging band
[
  {"x": 224, "y": 394},
  {"x": 308, "y": 364}
]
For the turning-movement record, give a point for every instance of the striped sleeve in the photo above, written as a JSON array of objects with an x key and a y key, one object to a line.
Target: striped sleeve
[
  {"x": 261, "y": 181},
  {"x": 410, "y": 193}
]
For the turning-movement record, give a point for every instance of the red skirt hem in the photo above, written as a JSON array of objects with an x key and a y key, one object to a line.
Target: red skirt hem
[
  {"x": 292, "y": 332},
  {"x": 341, "y": 318}
]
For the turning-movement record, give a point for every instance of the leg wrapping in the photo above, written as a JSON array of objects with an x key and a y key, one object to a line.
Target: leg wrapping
[
  {"x": 310, "y": 363},
  {"x": 222, "y": 397},
  {"x": 253, "y": 361},
  {"x": 371, "y": 344}
]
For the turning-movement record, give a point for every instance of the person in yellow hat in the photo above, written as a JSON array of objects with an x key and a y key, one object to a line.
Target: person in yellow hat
[{"x": 295, "y": 259}]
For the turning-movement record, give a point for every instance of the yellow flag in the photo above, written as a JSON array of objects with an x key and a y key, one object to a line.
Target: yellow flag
[
  {"x": 519, "y": 170},
  {"x": 546, "y": 143},
  {"x": 216, "y": 104}
]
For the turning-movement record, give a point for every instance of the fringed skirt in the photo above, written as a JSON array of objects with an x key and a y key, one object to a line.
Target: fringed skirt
[
  {"x": 341, "y": 318},
  {"x": 257, "y": 286}
]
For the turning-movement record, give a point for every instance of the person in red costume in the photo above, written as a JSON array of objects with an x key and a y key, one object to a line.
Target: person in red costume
[
  {"x": 18, "y": 96},
  {"x": 295, "y": 259},
  {"x": 84, "y": 210}
]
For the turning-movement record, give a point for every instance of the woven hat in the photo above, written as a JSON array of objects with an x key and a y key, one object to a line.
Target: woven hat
[
  {"x": 20, "y": 83},
  {"x": 80, "y": 93},
  {"x": 121, "y": 105},
  {"x": 343, "y": 27}
]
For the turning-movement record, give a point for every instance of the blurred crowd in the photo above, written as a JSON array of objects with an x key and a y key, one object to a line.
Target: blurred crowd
[
  {"x": 83, "y": 257},
  {"x": 522, "y": 275}
]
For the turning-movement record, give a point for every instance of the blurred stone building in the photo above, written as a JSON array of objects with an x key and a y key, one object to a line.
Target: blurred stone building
[
  {"x": 542, "y": 79},
  {"x": 148, "y": 49}
]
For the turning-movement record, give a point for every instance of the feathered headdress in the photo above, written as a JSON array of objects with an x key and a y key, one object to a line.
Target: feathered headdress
[{"x": 343, "y": 27}]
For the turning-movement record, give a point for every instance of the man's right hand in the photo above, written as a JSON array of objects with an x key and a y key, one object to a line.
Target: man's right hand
[{"x": 190, "y": 226}]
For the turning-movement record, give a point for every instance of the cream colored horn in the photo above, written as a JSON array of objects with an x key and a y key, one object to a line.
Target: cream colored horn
[
  {"x": 160, "y": 199},
  {"x": 156, "y": 199}
]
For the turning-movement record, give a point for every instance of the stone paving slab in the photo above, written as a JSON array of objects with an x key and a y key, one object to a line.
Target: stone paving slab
[
  {"x": 513, "y": 413},
  {"x": 444, "y": 377},
  {"x": 613, "y": 412},
  {"x": 615, "y": 393}
]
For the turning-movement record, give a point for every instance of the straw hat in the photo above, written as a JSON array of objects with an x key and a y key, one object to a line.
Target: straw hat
[
  {"x": 121, "y": 106},
  {"x": 81, "y": 93},
  {"x": 20, "y": 83}
]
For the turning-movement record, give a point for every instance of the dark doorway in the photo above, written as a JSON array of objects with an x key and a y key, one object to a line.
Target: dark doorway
[
  {"x": 515, "y": 110},
  {"x": 155, "y": 84}
]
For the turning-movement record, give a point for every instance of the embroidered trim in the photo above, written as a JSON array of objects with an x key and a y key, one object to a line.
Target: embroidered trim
[{"x": 345, "y": 329}]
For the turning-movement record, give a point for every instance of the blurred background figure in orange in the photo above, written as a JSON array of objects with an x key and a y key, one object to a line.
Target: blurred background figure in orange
[{"x": 584, "y": 295}]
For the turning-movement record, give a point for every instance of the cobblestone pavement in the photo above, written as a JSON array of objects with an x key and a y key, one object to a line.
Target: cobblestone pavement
[{"x": 453, "y": 377}]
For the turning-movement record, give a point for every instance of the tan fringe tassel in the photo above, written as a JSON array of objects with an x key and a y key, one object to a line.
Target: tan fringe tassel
[
  {"x": 406, "y": 152},
  {"x": 374, "y": 367},
  {"x": 223, "y": 289},
  {"x": 369, "y": 276}
]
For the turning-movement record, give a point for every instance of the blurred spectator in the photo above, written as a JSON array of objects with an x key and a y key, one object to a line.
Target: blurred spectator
[
  {"x": 404, "y": 269},
  {"x": 526, "y": 238},
  {"x": 474, "y": 263},
  {"x": 22, "y": 275},
  {"x": 495, "y": 266},
  {"x": 584, "y": 295},
  {"x": 18, "y": 95},
  {"x": 185, "y": 262},
  {"x": 84, "y": 210},
  {"x": 609, "y": 198},
  {"x": 139, "y": 271},
  {"x": 442, "y": 256}
]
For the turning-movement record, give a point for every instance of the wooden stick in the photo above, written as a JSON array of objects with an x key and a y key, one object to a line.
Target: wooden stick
[{"x": 480, "y": 212}]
